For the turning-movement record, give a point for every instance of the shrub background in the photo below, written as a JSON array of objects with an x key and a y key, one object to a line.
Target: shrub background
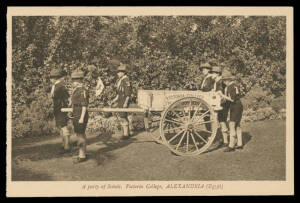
[{"x": 161, "y": 52}]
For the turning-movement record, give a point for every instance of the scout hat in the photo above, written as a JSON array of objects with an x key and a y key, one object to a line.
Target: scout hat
[
  {"x": 115, "y": 62},
  {"x": 55, "y": 73},
  {"x": 121, "y": 68},
  {"x": 91, "y": 68},
  {"x": 205, "y": 65},
  {"x": 216, "y": 69},
  {"x": 78, "y": 74},
  {"x": 226, "y": 75}
]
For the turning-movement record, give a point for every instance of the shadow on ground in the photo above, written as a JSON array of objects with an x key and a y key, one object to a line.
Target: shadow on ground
[
  {"x": 24, "y": 174},
  {"x": 219, "y": 139},
  {"x": 38, "y": 152}
]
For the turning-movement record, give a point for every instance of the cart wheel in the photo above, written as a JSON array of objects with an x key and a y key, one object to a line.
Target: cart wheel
[{"x": 188, "y": 126}]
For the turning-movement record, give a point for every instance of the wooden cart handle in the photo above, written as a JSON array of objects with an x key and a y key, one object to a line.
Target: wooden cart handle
[{"x": 108, "y": 109}]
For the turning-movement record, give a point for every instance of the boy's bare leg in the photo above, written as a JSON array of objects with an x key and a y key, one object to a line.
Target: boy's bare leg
[
  {"x": 130, "y": 123},
  {"x": 232, "y": 132},
  {"x": 62, "y": 138},
  {"x": 224, "y": 131},
  {"x": 239, "y": 136},
  {"x": 66, "y": 137},
  {"x": 82, "y": 146},
  {"x": 125, "y": 127},
  {"x": 146, "y": 121}
]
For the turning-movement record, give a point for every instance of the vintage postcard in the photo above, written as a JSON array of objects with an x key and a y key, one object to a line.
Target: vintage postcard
[{"x": 150, "y": 101}]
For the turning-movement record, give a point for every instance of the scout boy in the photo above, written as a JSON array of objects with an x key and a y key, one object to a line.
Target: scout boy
[
  {"x": 207, "y": 86},
  {"x": 60, "y": 95},
  {"x": 236, "y": 111},
  {"x": 122, "y": 100},
  {"x": 92, "y": 73},
  {"x": 79, "y": 101},
  {"x": 208, "y": 82},
  {"x": 219, "y": 87}
]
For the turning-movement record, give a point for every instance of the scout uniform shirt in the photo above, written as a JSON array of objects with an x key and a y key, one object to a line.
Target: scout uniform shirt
[
  {"x": 60, "y": 95},
  {"x": 233, "y": 92},
  {"x": 207, "y": 83},
  {"x": 123, "y": 90},
  {"x": 236, "y": 107},
  {"x": 219, "y": 85},
  {"x": 80, "y": 98}
]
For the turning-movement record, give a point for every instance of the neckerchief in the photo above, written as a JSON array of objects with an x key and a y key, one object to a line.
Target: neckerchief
[
  {"x": 226, "y": 88},
  {"x": 120, "y": 80},
  {"x": 53, "y": 87},
  {"x": 217, "y": 79},
  {"x": 203, "y": 82},
  {"x": 76, "y": 88}
]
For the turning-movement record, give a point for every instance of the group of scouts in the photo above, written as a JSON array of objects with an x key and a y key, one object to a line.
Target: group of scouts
[
  {"x": 79, "y": 101},
  {"x": 225, "y": 84},
  {"x": 214, "y": 80}
]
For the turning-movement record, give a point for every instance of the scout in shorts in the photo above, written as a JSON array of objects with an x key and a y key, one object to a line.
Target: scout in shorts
[
  {"x": 80, "y": 100},
  {"x": 122, "y": 100},
  {"x": 207, "y": 85},
  {"x": 236, "y": 111},
  {"x": 219, "y": 87},
  {"x": 60, "y": 95}
]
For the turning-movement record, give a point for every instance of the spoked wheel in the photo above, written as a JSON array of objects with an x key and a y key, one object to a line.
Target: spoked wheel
[{"x": 188, "y": 126}]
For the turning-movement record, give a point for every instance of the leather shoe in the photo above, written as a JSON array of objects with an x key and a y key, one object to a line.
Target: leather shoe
[
  {"x": 239, "y": 147},
  {"x": 79, "y": 160},
  {"x": 229, "y": 149}
]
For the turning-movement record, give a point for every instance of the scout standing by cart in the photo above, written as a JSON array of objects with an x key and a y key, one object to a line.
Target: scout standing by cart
[
  {"x": 80, "y": 100},
  {"x": 208, "y": 82},
  {"x": 236, "y": 111},
  {"x": 122, "y": 100},
  {"x": 219, "y": 87},
  {"x": 60, "y": 97},
  {"x": 207, "y": 85}
]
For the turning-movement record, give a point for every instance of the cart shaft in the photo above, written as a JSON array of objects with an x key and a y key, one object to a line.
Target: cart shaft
[{"x": 109, "y": 109}]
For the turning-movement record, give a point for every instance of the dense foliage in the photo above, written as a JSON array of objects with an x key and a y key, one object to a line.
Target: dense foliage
[{"x": 161, "y": 52}]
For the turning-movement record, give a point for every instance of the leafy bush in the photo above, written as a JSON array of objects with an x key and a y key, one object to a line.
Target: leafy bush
[
  {"x": 36, "y": 119},
  {"x": 162, "y": 52},
  {"x": 267, "y": 113}
]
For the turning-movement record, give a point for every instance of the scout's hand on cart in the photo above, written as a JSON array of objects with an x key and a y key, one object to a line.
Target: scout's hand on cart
[
  {"x": 225, "y": 97},
  {"x": 70, "y": 114}
]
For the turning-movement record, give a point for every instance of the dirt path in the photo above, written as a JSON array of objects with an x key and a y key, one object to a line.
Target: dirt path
[{"x": 139, "y": 158}]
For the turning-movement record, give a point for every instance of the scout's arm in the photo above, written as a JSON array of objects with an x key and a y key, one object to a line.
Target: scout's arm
[
  {"x": 127, "y": 92},
  {"x": 83, "y": 111},
  {"x": 224, "y": 96},
  {"x": 84, "y": 104},
  {"x": 114, "y": 100},
  {"x": 126, "y": 102}
]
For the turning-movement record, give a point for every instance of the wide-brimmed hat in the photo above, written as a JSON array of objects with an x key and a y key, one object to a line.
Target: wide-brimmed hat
[
  {"x": 205, "y": 65},
  {"x": 115, "y": 62},
  {"x": 226, "y": 75},
  {"x": 56, "y": 72},
  {"x": 91, "y": 68},
  {"x": 78, "y": 74},
  {"x": 216, "y": 69},
  {"x": 121, "y": 68}
]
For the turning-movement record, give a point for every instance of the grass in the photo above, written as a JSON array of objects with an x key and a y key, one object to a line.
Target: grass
[{"x": 263, "y": 158}]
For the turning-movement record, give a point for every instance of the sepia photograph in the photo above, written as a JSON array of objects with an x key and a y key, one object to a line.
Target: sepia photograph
[{"x": 158, "y": 102}]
